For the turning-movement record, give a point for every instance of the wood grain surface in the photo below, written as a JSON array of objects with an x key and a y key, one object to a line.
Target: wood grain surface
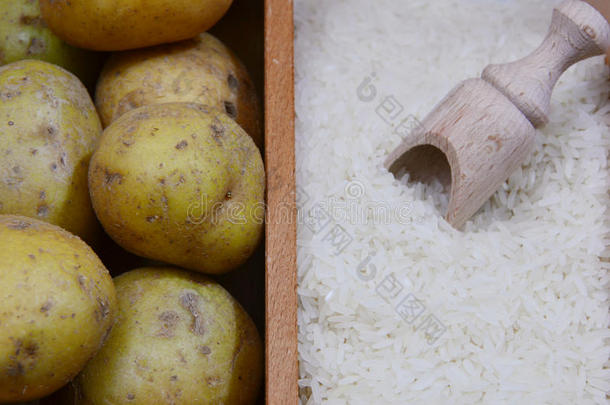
[
  {"x": 282, "y": 371},
  {"x": 578, "y": 31},
  {"x": 485, "y": 127}
]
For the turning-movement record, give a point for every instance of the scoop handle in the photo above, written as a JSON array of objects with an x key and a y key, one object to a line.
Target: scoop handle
[{"x": 578, "y": 31}]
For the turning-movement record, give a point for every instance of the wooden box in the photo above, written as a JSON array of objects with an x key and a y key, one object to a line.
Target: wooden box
[{"x": 261, "y": 33}]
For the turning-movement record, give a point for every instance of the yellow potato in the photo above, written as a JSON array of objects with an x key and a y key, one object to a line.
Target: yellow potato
[
  {"x": 57, "y": 305},
  {"x": 114, "y": 25},
  {"x": 201, "y": 70},
  {"x": 24, "y": 35},
  {"x": 180, "y": 339},
  {"x": 49, "y": 129},
  {"x": 180, "y": 183}
]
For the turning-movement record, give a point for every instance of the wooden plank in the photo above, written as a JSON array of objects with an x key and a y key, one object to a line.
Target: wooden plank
[{"x": 282, "y": 371}]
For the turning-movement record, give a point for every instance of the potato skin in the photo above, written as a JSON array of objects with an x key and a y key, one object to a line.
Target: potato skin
[
  {"x": 49, "y": 130},
  {"x": 201, "y": 70},
  {"x": 57, "y": 305},
  {"x": 114, "y": 25},
  {"x": 180, "y": 183},
  {"x": 180, "y": 338},
  {"x": 24, "y": 35}
]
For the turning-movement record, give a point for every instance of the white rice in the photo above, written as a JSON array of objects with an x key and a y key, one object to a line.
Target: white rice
[{"x": 521, "y": 293}]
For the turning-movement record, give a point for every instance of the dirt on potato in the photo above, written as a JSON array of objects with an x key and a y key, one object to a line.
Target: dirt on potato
[
  {"x": 50, "y": 129},
  {"x": 181, "y": 339},
  {"x": 57, "y": 306},
  {"x": 180, "y": 183},
  {"x": 200, "y": 70}
]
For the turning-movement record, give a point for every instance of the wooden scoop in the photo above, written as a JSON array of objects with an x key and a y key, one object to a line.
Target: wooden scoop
[{"x": 484, "y": 128}]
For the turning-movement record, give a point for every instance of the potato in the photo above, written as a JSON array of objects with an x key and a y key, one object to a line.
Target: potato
[
  {"x": 49, "y": 129},
  {"x": 180, "y": 183},
  {"x": 114, "y": 25},
  {"x": 180, "y": 339},
  {"x": 24, "y": 35},
  {"x": 201, "y": 70},
  {"x": 57, "y": 305}
]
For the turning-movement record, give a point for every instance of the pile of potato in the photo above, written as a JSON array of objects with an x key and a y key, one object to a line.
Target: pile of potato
[{"x": 165, "y": 161}]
